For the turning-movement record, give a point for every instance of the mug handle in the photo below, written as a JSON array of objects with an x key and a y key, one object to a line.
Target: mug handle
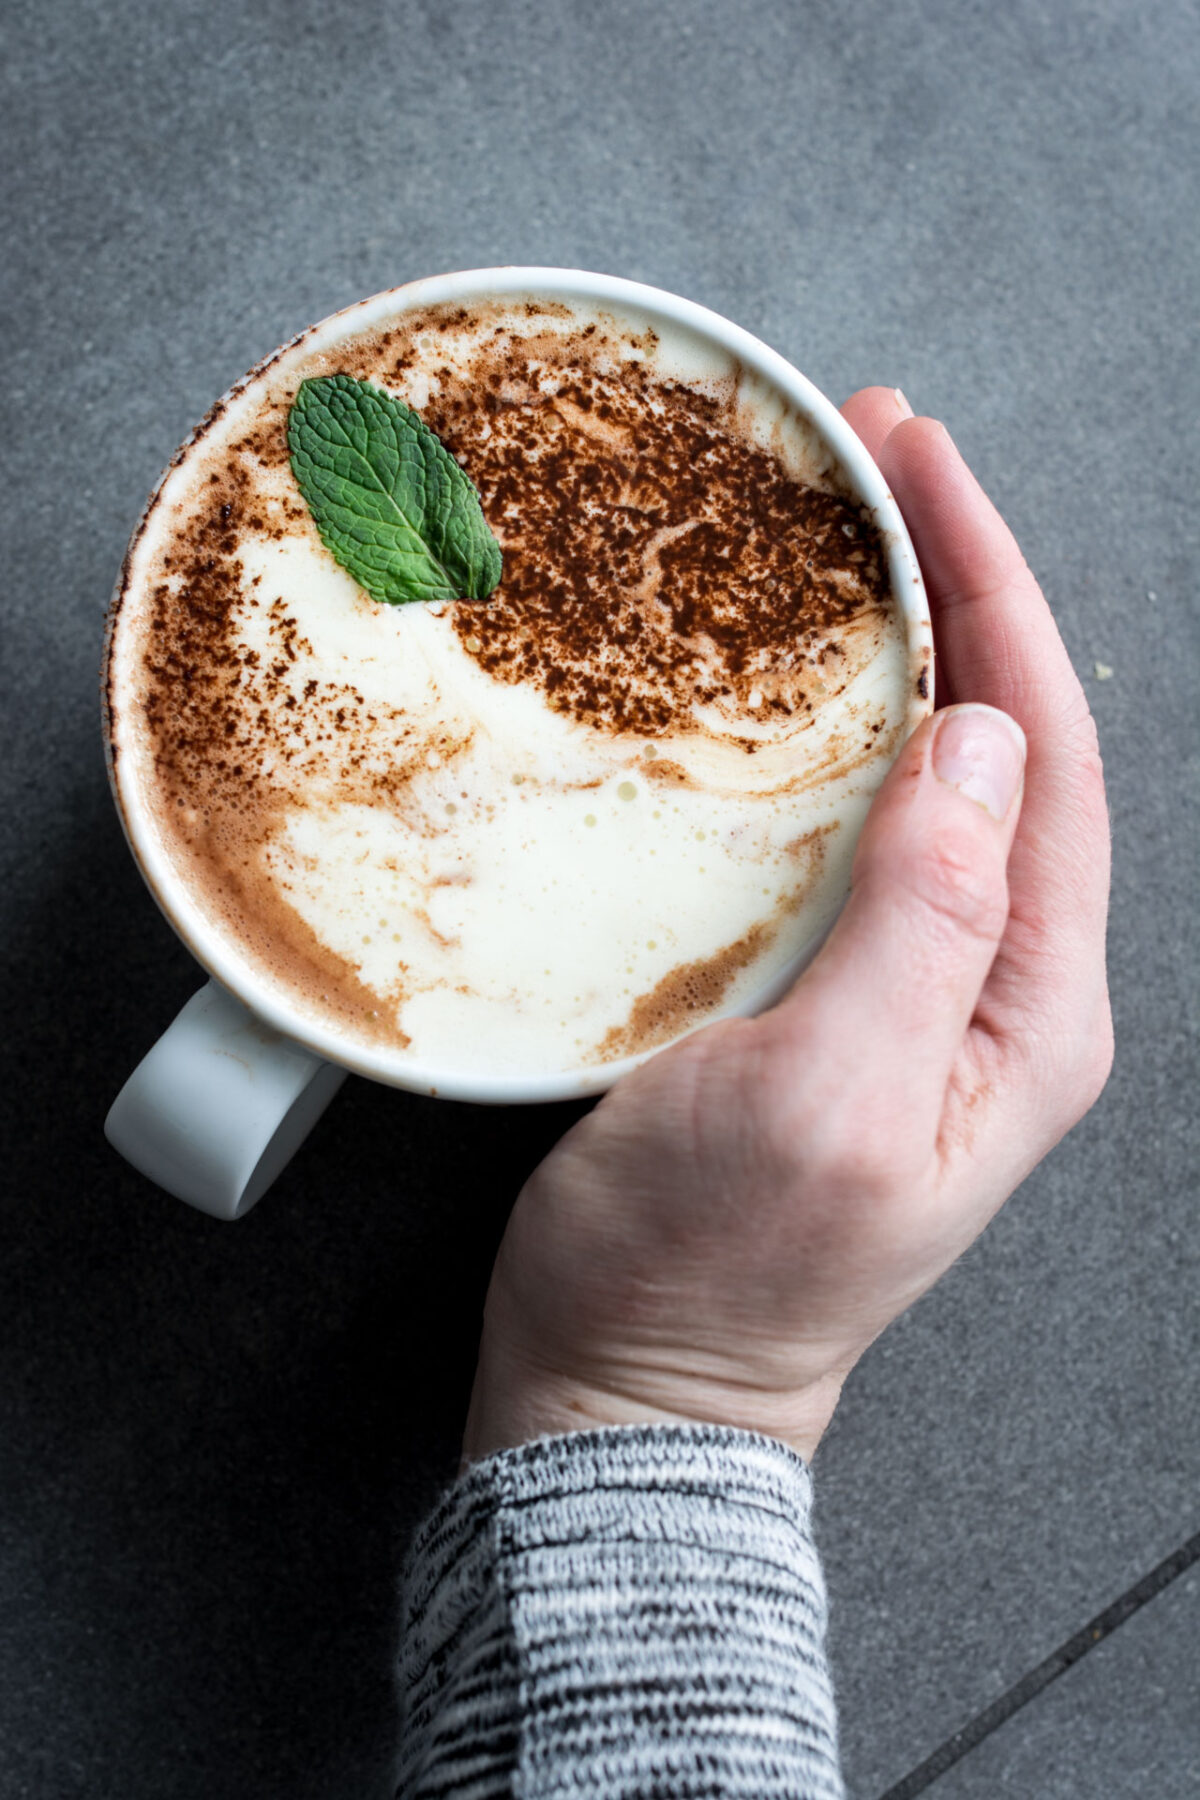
[{"x": 220, "y": 1105}]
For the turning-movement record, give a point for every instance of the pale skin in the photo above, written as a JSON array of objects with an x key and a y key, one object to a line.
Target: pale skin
[{"x": 732, "y": 1226}]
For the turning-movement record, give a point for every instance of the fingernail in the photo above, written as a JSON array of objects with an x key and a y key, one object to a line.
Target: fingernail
[
  {"x": 906, "y": 410},
  {"x": 981, "y": 752}
]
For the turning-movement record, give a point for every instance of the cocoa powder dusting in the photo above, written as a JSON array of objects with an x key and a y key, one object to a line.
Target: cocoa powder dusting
[
  {"x": 684, "y": 995},
  {"x": 228, "y": 727},
  {"x": 655, "y": 560},
  {"x": 661, "y": 572}
]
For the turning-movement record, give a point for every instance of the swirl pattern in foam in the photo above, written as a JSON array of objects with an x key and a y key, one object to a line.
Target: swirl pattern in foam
[{"x": 560, "y": 826}]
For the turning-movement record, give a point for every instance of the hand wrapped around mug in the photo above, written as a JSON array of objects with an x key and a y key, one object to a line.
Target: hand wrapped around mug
[{"x": 723, "y": 1236}]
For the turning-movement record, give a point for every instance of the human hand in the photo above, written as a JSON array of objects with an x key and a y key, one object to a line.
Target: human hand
[{"x": 723, "y": 1236}]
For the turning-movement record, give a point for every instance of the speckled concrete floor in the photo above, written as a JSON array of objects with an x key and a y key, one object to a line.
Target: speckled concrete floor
[{"x": 214, "y": 1440}]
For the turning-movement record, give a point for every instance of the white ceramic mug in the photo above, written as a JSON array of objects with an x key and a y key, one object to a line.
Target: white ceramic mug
[{"x": 216, "y": 1109}]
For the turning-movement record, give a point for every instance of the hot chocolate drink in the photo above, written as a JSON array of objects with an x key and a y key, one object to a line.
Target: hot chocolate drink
[{"x": 560, "y": 826}]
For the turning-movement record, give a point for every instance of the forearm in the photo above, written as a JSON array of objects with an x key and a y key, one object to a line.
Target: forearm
[{"x": 617, "y": 1613}]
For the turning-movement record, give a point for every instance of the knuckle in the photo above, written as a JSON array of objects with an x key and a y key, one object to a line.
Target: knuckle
[
  {"x": 838, "y": 1144},
  {"x": 1095, "y": 1064},
  {"x": 1068, "y": 1065},
  {"x": 958, "y": 889},
  {"x": 1087, "y": 764},
  {"x": 1080, "y": 734},
  {"x": 864, "y": 1159},
  {"x": 1078, "y": 766}
]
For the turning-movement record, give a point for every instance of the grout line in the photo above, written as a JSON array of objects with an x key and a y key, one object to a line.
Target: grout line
[{"x": 1064, "y": 1658}]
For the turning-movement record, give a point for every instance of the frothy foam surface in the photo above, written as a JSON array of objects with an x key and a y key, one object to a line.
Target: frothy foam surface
[{"x": 553, "y": 828}]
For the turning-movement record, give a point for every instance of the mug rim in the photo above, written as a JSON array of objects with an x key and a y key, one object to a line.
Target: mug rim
[{"x": 217, "y": 951}]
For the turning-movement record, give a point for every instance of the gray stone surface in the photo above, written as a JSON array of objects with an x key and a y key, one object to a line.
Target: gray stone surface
[
  {"x": 213, "y": 1441},
  {"x": 1125, "y": 1720}
]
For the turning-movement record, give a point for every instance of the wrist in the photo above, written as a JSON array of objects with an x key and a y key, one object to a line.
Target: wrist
[
  {"x": 513, "y": 1404},
  {"x": 517, "y": 1397}
]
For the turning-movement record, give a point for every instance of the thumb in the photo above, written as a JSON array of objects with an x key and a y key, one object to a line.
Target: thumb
[{"x": 899, "y": 979}]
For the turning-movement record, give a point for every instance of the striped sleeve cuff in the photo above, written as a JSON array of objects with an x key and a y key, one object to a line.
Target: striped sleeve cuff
[{"x": 629, "y": 1612}]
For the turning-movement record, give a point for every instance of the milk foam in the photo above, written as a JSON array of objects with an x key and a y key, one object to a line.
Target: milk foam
[{"x": 503, "y": 886}]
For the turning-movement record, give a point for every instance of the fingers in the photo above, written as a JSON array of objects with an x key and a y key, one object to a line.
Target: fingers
[
  {"x": 997, "y": 640},
  {"x": 997, "y": 643},
  {"x": 874, "y": 412},
  {"x": 890, "y": 997}
]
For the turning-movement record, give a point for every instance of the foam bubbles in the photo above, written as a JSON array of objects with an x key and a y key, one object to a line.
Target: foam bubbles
[{"x": 500, "y": 886}]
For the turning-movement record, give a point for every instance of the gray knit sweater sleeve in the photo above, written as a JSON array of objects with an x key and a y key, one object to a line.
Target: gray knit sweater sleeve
[{"x": 630, "y": 1612}]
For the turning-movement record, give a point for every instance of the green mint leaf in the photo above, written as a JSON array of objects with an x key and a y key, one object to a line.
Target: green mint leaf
[{"x": 389, "y": 500}]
